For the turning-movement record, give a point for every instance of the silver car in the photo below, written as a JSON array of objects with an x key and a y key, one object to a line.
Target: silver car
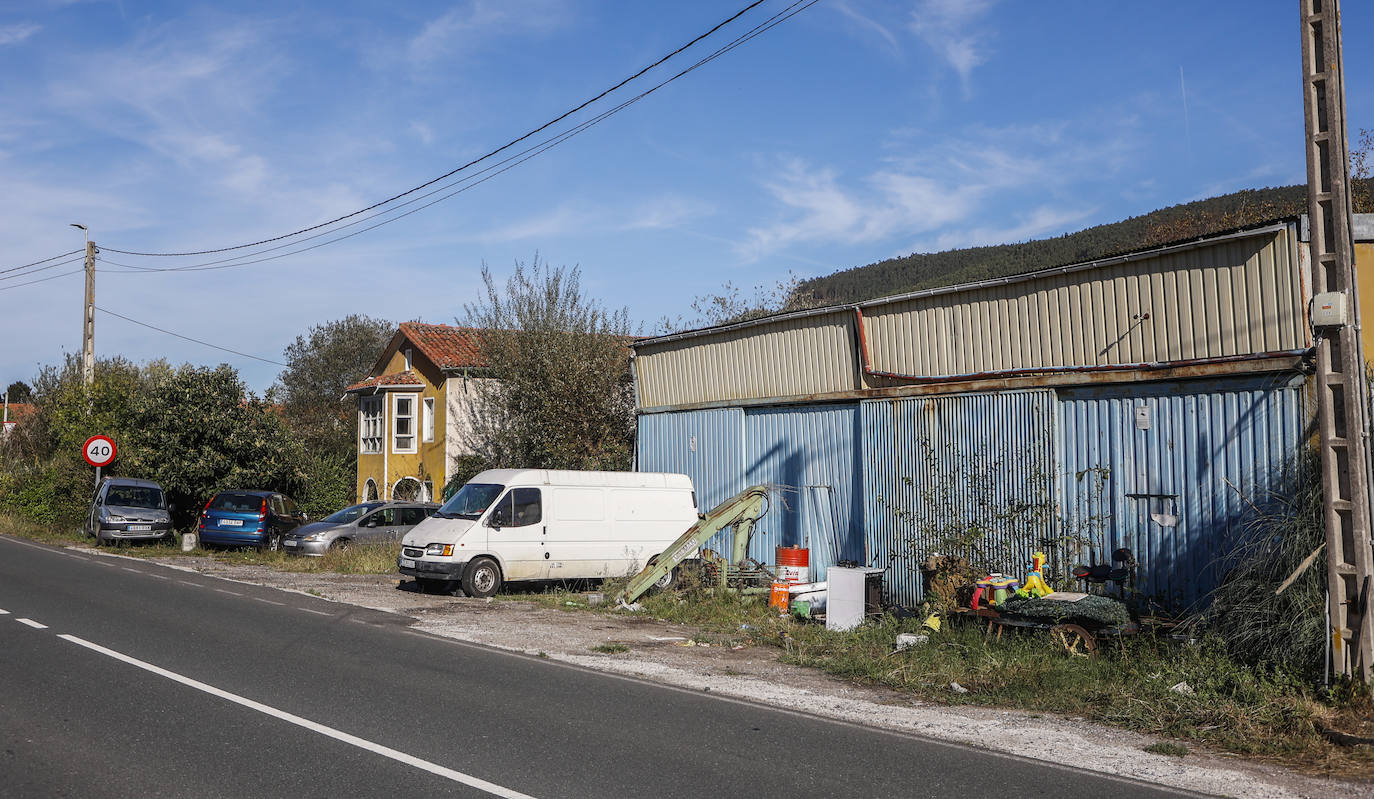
[
  {"x": 367, "y": 522},
  {"x": 128, "y": 509}
]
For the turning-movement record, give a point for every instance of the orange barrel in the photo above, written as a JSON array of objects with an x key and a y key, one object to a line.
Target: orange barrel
[
  {"x": 778, "y": 596},
  {"x": 794, "y": 564}
]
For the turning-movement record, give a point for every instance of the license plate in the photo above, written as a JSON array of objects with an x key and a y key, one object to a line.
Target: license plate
[
  {"x": 408, "y": 563},
  {"x": 140, "y": 528},
  {"x": 291, "y": 543},
  {"x": 231, "y": 522}
]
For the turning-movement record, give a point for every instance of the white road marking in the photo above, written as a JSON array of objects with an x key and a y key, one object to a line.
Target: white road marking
[
  {"x": 32, "y": 624},
  {"x": 188, "y": 582},
  {"x": 158, "y": 576},
  {"x": 329, "y": 732},
  {"x": 270, "y": 602},
  {"x": 135, "y": 571},
  {"x": 4, "y": 612},
  {"x": 316, "y": 612},
  {"x": 227, "y": 591}
]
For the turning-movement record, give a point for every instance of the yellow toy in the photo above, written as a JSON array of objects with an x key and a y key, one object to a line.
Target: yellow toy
[{"x": 1034, "y": 584}]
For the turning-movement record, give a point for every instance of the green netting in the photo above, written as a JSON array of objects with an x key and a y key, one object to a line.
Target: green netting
[{"x": 1099, "y": 609}]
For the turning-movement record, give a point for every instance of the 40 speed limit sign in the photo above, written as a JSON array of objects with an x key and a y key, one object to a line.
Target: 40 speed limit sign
[{"x": 99, "y": 451}]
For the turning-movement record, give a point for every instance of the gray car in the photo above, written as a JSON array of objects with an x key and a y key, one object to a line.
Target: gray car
[
  {"x": 128, "y": 509},
  {"x": 367, "y": 522}
]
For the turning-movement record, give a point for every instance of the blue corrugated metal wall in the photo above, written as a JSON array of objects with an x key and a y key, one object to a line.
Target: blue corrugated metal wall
[
  {"x": 966, "y": 474},
  {"x": 1170, "y": 469},
  {"x": 707, "y": 446},
  {"x": 972, "y": 457},
  {"x": 810, "y": 453}
]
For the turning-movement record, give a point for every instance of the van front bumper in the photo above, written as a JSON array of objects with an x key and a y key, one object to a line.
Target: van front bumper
[{"x": 431, "y": 570}]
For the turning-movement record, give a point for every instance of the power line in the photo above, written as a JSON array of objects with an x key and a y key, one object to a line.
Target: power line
[
  {"x": 36, "y": 263},
  {"x": 473, "y": 162},
  {"x": 41, "y": 269},
  {"x": 504, "y": 165},
  {"x": 45, "y": 279},
  {"x": 188, "y": 338}
]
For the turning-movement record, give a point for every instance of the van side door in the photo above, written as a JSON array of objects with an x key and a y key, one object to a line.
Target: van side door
[{"x": 517, "y": 534}]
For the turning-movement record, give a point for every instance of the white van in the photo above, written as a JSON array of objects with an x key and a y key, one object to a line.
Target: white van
[{"x": 507, "y": 525}]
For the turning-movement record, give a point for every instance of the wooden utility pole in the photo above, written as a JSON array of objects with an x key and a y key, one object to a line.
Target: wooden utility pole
[
  {"x": 1342, "y": 397},
  {"x": 88, "y": 314}
]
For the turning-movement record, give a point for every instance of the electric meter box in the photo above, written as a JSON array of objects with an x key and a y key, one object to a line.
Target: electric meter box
[{"x": 1329, "y": 309}]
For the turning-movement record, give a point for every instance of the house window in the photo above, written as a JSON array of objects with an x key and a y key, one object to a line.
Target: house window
[
  {"x": 370, "y": 425},
  {"x": 408, "y": 359},
  {"x": 427, "y": 420},
  {"x": 403, "y": 423}
]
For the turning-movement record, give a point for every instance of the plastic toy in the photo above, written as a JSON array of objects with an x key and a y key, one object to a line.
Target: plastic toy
[
  {"x": 996, "y": 587},
  {"x": 1035, "y": 585}
]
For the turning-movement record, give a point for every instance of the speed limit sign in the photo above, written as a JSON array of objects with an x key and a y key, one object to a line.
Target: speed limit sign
[{"x": 99, "y": 451}]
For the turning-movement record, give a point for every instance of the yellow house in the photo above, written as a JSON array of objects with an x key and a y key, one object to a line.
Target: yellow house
[
  {"x": 412, "y": 412},
  {"x": 1364, "y": 273}
]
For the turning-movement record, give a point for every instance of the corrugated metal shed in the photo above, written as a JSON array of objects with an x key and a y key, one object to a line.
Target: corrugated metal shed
[
  {"x": 706, "y": 445},
  {"x": 1231, "y": 297},
  {"x": 1238, "y": 296},
  {"x": 1171, "y": 470},
  {"x": 801, "y": 355},
  {"x": 964, "y": 474}
]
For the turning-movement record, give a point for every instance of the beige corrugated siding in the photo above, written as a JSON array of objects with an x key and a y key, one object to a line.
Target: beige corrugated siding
[
  {"x": 1233, "y": 298},
  {"x": 790, "y": 357}
]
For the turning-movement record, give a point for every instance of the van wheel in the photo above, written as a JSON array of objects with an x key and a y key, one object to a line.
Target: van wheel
[{"x": 482, "y": 578}]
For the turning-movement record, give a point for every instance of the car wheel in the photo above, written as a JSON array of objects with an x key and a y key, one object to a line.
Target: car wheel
[
  {"x": 270, "y": 543},
  {"x": 339, "y": 545},
  {"x": 482, "y": 578},
  {"x": 95, "y": 539}
]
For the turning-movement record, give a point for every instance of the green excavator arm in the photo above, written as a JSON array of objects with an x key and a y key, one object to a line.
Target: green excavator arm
[{"x": 741, "y": 513}]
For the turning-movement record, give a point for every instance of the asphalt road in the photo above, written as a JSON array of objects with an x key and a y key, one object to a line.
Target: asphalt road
[{"x": 125, "y": 678}]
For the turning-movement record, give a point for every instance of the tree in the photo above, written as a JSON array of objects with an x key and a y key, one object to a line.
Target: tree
[
  {"x": 19, "y": 391},
  {"x": 320, "y": 365},
  {"x": 557, "y": 392},
  {"x": 197, "y": 430},
  {"x": 731, "y": 305}
]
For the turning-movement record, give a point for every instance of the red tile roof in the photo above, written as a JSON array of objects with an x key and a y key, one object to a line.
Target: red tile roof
[
  {"x": 406, "y": 378},
  {"x": 21, "y": 409},
  {"x": 446, "y": 347}
]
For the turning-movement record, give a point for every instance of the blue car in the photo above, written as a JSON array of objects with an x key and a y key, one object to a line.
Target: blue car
[{"x": 239, "y": 518}]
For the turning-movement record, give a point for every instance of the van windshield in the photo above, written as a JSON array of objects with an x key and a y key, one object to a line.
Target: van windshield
[{"x": 470, "y": 501}]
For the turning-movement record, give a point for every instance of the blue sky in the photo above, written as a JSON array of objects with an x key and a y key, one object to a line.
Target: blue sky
[{"x": 855, "y": 131}]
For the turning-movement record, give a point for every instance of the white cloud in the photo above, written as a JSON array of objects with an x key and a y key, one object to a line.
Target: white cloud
[
  {"x": 17, "y": 34},
  {"x": 468, "y": 25},
  {"x": 658, "y": 213},
  {"x": 940, "y": 192},
  {"x": 955, "y": 31},
  {"x": 422, "y": 132}
]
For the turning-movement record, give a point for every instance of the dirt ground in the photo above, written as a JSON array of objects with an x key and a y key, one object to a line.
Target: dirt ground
[{"x": 662, "y": 652}]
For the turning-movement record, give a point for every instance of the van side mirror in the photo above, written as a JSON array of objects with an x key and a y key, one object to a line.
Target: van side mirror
[
  {"x": 499, "y": 518},
  {"x": 171, "y": 507}
]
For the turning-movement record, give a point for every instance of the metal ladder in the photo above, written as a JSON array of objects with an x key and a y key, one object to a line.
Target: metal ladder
[{"x": 1342, "y": 398}]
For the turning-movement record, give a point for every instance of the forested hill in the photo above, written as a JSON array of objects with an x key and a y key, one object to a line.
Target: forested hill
[{"x": 1167, "y": 225}]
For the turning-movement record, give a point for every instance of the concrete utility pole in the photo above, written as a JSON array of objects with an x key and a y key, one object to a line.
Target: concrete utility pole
[
  {"x": 1342, "y": 397},
  {"x": 88, "y": 313}
]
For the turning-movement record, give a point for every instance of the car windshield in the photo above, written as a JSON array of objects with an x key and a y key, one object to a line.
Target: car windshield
[
  {"x": 134, "y": 497},
  {"x": 350, "y": 513},
  {"x": 470, "y": 501}
]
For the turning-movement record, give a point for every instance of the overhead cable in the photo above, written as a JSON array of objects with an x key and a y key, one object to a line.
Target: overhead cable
[
  {"x": 473, "y": 162},
  {"x": 187, "y": 338}
]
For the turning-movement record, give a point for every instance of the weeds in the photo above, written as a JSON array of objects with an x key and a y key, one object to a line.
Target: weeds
[
  {"x": 1167, "y": 748},
  {"x": 610, "y": 648}
]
